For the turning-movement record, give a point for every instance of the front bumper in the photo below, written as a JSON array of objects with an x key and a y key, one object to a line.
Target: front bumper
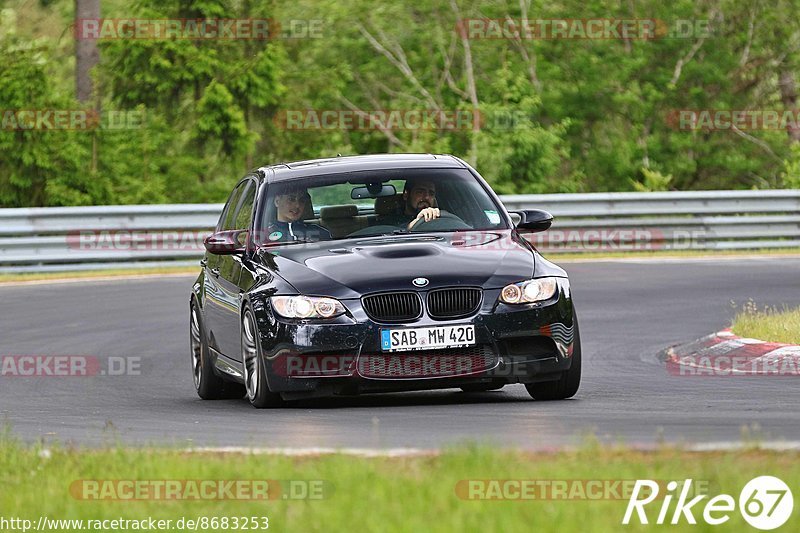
[{"x": 514, "y": 344}]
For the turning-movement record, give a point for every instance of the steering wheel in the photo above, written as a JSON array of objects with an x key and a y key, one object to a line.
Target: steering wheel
[{"x": 445, "y": 221}]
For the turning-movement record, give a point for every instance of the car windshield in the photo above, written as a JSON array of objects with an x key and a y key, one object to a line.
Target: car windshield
[{"x": 371, "y": 203}]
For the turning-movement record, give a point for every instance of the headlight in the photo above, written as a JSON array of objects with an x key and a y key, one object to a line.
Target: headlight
[
  {"x": 530, "y": 291},
  {"x": 306, "y": 307}
]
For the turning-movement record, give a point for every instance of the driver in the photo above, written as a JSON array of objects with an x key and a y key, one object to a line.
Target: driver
[
  {"x": 289, "y": 226},
  {"x": 419, "y": 200}
]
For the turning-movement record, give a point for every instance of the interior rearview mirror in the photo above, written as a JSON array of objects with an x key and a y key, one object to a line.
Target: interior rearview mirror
[{"x": 372, "y": 190}]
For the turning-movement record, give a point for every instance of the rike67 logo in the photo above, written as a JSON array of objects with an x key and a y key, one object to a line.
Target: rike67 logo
[{"x": 765, "y": 503}]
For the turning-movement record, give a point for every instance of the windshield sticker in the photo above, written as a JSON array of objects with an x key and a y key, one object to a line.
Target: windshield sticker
[{"x": 493, "y": 216}]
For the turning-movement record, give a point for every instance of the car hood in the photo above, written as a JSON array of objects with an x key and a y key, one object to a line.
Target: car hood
[{"x": 354, "y": 267}]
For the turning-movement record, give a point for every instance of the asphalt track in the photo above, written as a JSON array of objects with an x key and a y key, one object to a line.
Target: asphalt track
[{"x": 629, "y": 311}]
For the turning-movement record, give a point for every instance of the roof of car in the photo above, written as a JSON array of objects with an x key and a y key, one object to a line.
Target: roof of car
[{"x": 336, "y": 165}]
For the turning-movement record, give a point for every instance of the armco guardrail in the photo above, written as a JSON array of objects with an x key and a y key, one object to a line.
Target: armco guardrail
[{"x": 117, "y": 236}]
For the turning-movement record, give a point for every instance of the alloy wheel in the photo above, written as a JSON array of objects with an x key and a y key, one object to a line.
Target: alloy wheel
[
  {"x": 250, "y": 356},
  {"x": 196, "y": 347}
]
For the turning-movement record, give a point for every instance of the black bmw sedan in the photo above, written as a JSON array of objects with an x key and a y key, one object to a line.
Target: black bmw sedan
[{"x": 379, "y": 273}]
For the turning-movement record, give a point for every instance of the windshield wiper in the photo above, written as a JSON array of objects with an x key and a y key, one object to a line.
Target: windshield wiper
[{"x": 284, "y": 243}]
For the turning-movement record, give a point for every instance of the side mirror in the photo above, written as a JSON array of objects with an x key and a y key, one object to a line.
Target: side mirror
[
  {"x": 226, "y": 242},
  {"x": 534, "y": 219}
]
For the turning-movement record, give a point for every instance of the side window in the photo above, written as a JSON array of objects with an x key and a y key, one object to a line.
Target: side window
[
  {"x": 226, "y": 219},
  {"x": 244, "y": 211}
]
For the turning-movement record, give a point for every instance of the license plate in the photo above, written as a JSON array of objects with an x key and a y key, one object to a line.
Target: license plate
[{"x": 394, "y": 340}]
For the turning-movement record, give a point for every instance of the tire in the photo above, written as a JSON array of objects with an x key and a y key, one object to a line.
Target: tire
[
  {"x": 570, "y": 380},
  {"x": 208, "y": 385},
  {"x": 255, "y": 375},
  {"x": 481, "y": 388}
]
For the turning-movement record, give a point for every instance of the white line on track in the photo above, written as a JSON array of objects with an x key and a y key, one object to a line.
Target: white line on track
[
  {"x": 721, "y": 446},
  {"x": 727, "y": 446},
  {"x": 306, "y": 452}
]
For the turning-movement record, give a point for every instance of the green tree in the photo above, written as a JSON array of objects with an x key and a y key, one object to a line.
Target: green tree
[
  {"x": 209, "y": 102},
  {"x": 38, "y": 167}
]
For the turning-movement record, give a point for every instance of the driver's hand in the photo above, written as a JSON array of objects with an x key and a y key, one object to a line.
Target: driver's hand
[{"x": 429, "y": 213}]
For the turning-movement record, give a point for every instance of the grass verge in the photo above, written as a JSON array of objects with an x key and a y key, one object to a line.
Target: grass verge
[
  {"x": 39, "y": 276},
  {"x": 378, "y": 494},
  {"x": 769, "y": 324}
]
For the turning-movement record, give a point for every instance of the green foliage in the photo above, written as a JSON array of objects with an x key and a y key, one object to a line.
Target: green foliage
[
  {"x": 220, "y": 121},
  {"x": 207, "y": 100},
  {"x": 791, "y": 168},
  {"x": 38, "y": 167},
  {"x": 652, "y": 181},
  {"x": 556, "y": 115}
]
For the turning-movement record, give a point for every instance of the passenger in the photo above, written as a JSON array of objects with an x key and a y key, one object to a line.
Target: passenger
[{"x": 289, "y": 226}]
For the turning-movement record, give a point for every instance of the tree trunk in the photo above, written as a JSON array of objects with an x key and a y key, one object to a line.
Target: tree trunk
[
  {"x": 86, "y": 52},
  {"x": 788, "y": 89}
]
